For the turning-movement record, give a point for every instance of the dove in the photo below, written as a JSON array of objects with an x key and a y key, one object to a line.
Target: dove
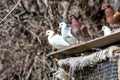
[
  {"x": 112, "y": 16},
  {"x": 78, "y": 30},
  {"x": 56, "y": 40},
  {"x": 106, "y": 30},
  {"x": 66, "y": 33}
]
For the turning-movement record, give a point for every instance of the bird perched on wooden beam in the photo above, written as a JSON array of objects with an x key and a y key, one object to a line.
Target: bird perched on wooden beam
[
  {"x": 78, "y": 30},
  {"x": 56, "y": 40},
  {"x": 66, "y": 33},
  {"x": 106, "y": 30},
  {"x": 112, "y": 16}
]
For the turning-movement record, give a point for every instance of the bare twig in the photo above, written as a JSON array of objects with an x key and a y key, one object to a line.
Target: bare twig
[
  {"x": 35, "y": 36},
  {"x": 28, "y": 75},
  {"x": 10, "y": 11}
]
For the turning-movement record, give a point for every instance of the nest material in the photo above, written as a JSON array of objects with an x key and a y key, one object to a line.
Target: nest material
[
  {"x": 61, "y": 74},
  {"x": 77, "y": 63}
]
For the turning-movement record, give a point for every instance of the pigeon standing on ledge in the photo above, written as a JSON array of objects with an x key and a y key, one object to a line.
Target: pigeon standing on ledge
[
  {"x": 112, "y": 17},
  {"x": 78, "y": 30},
  {"x": 106, "y": 30},
  {"x": 56, "y": 40},
  {"x": 66, "y": 34}
]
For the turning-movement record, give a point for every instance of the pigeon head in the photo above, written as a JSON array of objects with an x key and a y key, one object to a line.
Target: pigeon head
[
  {"x": 105, "y": 28},
  {"x": 104, "y": 6},
  {"x": 50, "y": 33},
  {"x": 62, "y": 25},
  {"x": 73, "y": 17}
]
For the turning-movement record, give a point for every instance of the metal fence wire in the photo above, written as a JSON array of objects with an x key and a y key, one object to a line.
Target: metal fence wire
[{"x": 106, "y": 70}]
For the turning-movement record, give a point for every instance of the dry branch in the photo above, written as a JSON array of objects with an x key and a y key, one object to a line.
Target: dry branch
[{"x": 10, "y": 11}]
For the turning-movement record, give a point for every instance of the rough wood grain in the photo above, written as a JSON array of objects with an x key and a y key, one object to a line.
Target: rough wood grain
[{"x": 95, "y": 43}]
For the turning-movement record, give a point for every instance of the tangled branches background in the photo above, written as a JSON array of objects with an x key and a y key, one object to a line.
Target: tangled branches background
[{"x": 23, "y": 44}]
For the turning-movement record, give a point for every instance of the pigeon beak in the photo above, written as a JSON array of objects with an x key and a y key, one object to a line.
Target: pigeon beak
[
  {"x": 102, "y": 8},
  {"x": 59, "y": 30},
  {"x": 46, "y": 35},
  {"x": 102, "y": 31}
]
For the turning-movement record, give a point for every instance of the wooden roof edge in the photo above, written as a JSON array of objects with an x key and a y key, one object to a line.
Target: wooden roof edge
[{"x": 88, "y": 42}]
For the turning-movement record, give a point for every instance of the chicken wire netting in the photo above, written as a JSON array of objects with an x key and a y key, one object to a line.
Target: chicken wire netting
[{"x": 107, "y": 70}]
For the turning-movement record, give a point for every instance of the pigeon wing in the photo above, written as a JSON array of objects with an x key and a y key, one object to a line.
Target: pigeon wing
[{"x": 58, "y": 40}]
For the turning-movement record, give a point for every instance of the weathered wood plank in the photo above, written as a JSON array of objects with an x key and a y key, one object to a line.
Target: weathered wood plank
[{"x": 95, "y": 43}]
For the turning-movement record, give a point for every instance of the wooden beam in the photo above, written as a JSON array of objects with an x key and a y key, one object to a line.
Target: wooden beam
[{"x": 95, "y": 43}]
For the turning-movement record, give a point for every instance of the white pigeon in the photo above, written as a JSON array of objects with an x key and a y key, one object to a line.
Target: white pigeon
[
  {"x": 107, "y": 30},
  {"x": 56, "y": 40},
  {"x": 66, "y": 33}
]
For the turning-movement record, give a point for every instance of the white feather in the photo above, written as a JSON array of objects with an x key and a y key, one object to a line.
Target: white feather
[
  {"x": 56, "y": 40},
  {"x": 107, "y": 30},
  {"x": 66, "y": 33}
]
